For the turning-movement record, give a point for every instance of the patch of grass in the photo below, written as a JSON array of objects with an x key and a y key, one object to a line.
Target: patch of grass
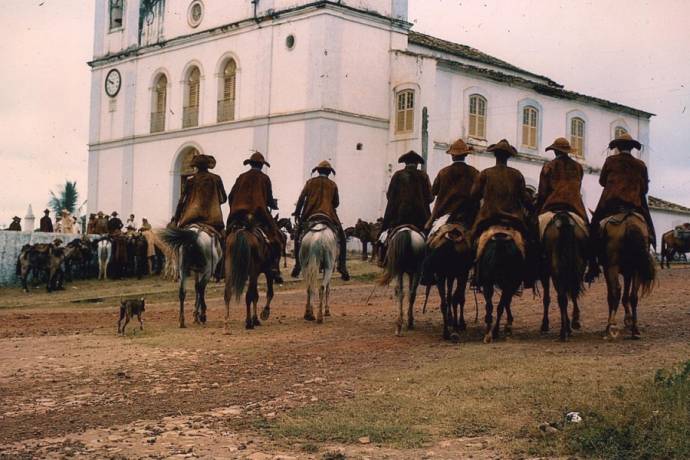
[{"x": 651, "y": 421}]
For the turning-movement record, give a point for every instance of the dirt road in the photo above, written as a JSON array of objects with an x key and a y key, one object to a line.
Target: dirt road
[{"x": 69, "y": 386}]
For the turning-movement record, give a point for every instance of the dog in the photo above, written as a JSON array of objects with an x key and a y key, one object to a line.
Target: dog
[{"x": 129, "y": 308}]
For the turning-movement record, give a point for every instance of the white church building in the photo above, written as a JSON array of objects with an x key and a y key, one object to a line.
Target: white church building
[{"x": 306, "y": 80}]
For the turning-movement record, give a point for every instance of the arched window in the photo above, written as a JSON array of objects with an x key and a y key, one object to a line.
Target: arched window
[
  {"x": 226, "y": 102},
  {"x": 619, "y": 131},
  {"x": 116, "y": 12},
  {"x": 530, "y": 116},
  {"x": 577, "y": 136},
  {"x": 404, "y": 115},
  {"x": 190, "y": 111},
  {"x": 160, "y": 95},
  {"x": 477, "y": 125}
]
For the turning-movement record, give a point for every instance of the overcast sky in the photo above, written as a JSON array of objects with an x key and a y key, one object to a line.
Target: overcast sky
[{"x": 629, "y": 51}]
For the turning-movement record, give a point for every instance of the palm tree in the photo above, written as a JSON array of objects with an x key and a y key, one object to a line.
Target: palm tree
[{"x": 65, "y": 199}]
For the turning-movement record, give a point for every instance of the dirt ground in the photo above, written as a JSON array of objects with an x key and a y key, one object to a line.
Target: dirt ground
[{"x": 69, "y": 386}]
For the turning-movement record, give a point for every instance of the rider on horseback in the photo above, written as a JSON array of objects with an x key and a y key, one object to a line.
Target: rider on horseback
[
  {"x": 319, "y": 199},
  {"x": 202, "y": 194},
  {"x": 626, "y": 183},
  {"x": 452, "y": 189},
  {"x": 506, "y": 202},
  {"x": 252, "y": 195}
]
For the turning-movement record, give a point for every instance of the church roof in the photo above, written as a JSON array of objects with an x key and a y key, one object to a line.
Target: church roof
[
  {"x": 663, "y": 205},
  {"x": 470, "y": 53}
]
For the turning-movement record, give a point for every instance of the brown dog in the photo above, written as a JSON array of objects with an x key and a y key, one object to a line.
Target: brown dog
[{"x": 129, "y": 308}]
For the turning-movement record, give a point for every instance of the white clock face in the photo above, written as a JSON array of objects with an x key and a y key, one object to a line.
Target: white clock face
[{"x": 113, "y": 83}]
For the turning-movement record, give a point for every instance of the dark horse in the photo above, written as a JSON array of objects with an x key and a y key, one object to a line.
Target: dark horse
[
  {"x": 449, "y": 258},
  {"x": 626, "y": 243},
  {"x": 247, "y": 255},
  {"x": 501, "y": 263},
  {"x": 674, "y": 242},
  {"x": 564, "y": 246}
]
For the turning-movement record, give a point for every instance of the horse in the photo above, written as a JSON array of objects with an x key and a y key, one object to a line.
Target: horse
[
  {"x": 247, "y": 256},
  {"x": 500, "y": 263},
  {"x": 672, "y": 243},
  {"x": 564, "y": 250},
  {"x": 198, "y": 250},
  {"x": 318, "y": 252},
  {"x": 285, "y": 226},
  {"x": 406, "y": 247},
  {"x": 625, "y": 243},
  {"x": 367, "y": 233},
  {"x": 104, "y": 250},
  {"x": 137, "y": 250},
  {"x": 450, "y": 257},
  {"x": 33, "y": 260}
]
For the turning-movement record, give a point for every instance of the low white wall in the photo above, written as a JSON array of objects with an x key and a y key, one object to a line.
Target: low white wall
[{"x": 11, "y": 245}]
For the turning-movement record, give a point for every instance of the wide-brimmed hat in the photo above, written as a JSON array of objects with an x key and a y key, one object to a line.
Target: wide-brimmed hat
[
  {"x": 203, "y": 161},
  {"x": 502, "y": 146},
  {"x": 459, "y": 148},
  {"x": 46, "y": 210},
  {"x": 16, "y": 218},
  {"x": 411, "y": 157},
  {"x": 561, "y": 144},
  {"x": 114, "y": 214},
  {"x": 100, "y": 214},
  {"x": 324, "y": 165},
  {"x": 257, "y": 158},
  {"x": 624, "y": 140}
]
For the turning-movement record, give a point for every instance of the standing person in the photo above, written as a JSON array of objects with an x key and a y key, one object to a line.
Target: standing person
[
  {"x": 202, "y": 195},
  {"x": 320, "y": 197},
  {"x": 91, "y": 224},
  {"x": 114, "y": 224},
  {"x": 131, "y": 224},
  {"x": 626, "y": 183},
  {"x": 506, "y": 201},
  {"x": 409, "y": 195},
  {"x": 46, "y": 224},
  {"x": 101, "y": 224},
  {"x": 252, "y": 196},
  {"x": 16, "y": 225}
]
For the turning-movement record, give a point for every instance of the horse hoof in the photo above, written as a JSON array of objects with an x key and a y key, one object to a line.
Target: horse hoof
[
  {"x": 488, "y": 337},
  {"x": 309, "y": 317},
  {"x": 410, "y": 327},
  {"x": 319, "y": 320},
  {"x": 182, "y": 326},
  {"x": 628, "y": 323},
  {"x": 455, "y": 337},
  {"x": 576, "y": 325},
  {"x": 612, "y": 332},
  {"x": 636, "y": 334},
  {"x": 544, "y": 328},
  {"x": 265, "y": 313},
  {"x": 462, "y": 327},
  {"x": 256, "y": 322},
  {"x": 508, "y": 330},
  {"x": 328, "y": 313},
  {"x": 249, "y": 325}
]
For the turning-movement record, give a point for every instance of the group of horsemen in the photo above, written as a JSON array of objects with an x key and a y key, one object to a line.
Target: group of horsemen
[{"x": 477, "y": 200}]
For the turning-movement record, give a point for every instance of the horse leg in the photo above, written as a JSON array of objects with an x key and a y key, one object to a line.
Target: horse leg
[
  {"x": 365, "y": 251},
  {"x": 508, "y": 329},
  {"x": 266, "y": 312},
  {"x": 202, "y": 295},
  {"x": 452, "y": 304},
  {"x": 563, "y": 306},
  {"x": 182, "y": 294},
  {"x": 627, "y": 319},
  {"x": 319, "y": 315},
  {"x": 459, "y": 298},
  {"x": 328, "y": 296},
  {"x": 197, "y": 298},
  {"x": 309, "y": 310},
  {"x": 634, "y": 298},
  {"x": 503, "y": 301},
  {"x": 414, "y": 283},
  {"x": 248, "y": 299},
  {"x": 575, "y": 323},
  {"x": 546, "y": 284},
  {"x": 488, "y": 291},
  {"x": 445, "y": 310},
  {"x": 399, "y": 297},
  {"x": 255, "y": 301},
  {"x": 614, "y": 296}
]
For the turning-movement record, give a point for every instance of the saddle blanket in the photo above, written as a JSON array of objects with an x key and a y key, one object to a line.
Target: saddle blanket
[
  {"x": 438, "y": 223},
  {"x": 546, "y": 218},
  {"x": 618, "y": 219},
  {"x": 496, "y": 229}
]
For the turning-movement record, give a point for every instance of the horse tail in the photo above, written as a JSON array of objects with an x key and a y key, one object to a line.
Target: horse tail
[
  {"x": 500, "y": 262},
  {"x": 237, "y": 265},
  {"x": 636, "y": 260},
  {"x": 399, "y": 250},
  {"x": 316, "y": 253},
  {"x": 570, "y": 264},
  {"x": 187, "y": 241}
]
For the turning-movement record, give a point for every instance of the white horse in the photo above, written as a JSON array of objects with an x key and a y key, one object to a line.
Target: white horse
[
  {"x": 198, "y": 252},
  {"x": 318, "y": 252},
  {"x": 405, "y": 254},
  {"x": 104, "y": 251}
]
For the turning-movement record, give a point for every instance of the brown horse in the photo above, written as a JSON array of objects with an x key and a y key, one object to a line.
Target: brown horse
[
  {"x": 626, "y": 242},
  {"x": 564, "y": 246},
  {"x": 450, "y": 258},
  {"x": 247, "y": 255},
  {"x": 367, "y": 233},
  {"x": 672, "y": 245}
]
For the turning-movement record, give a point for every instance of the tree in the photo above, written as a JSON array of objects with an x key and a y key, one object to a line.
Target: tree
[{"x": 65, "y": 199}]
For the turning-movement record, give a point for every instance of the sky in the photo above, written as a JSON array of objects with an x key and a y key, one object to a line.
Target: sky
[{"x": 630, "y": 51}]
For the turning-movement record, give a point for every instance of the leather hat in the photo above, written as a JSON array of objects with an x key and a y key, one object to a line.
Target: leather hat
[
  {"x": 203, "y": 161},
  {"x": 624, "y": 140},
  {"x": 47, "y": 211},
  {"x": 324, "y": 165},
  {"x": 257, "y": 157},
  {"x": 459, "y": 148},
  {"x": 411, "y": 157},
  {"x": 561, "y": 144},
  {"x": 16, "y": 218},
  {"x": 502, "y": 146},
  {"x": 114, "y": 214}
]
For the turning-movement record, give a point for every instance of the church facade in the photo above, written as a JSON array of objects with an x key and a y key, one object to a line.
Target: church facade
[{"x": 306, "y": 80}]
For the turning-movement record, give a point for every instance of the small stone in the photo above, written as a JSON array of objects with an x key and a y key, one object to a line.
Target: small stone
[
  {"x": 215, "y": 384},
  {"x": 151, "y": 440},
  {"x": 364, "y": 440},
  {"x": 242, "y": 447}
]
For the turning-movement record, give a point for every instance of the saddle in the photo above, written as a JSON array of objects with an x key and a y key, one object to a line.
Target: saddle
[
  {"x": 619, "y": 218},
  {"x": 682, "y": 233},
  {"x": 547, "y": 218},
  {"x": 406, "y": 227},
  {"x": 220, "y": 235},
  {"x": 319, "y": 219},
  {"x": 496, "y": 230},
  {"x": 443, "y": 230}
]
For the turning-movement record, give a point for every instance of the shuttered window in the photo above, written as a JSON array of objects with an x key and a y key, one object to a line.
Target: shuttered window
[
  {"x": 160, "y": 96},
  {"x": 529, "y": 127},
  {"x": 226, "y": 104},
  {"x": 404, "y": 119},
  {"x": 577, "y": 136},
  {"x": 477, "y": 121},
  {"x": 190, "y": 112},
  {"x": 116, "y": 12}
]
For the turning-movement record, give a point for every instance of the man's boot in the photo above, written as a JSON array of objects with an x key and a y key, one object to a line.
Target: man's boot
[
  {"x": 298, "y": 266},
  {"x": 593, "y": 270},
  {"x": 342, "y": 258},
  {"x": 275, "y": 262}
]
